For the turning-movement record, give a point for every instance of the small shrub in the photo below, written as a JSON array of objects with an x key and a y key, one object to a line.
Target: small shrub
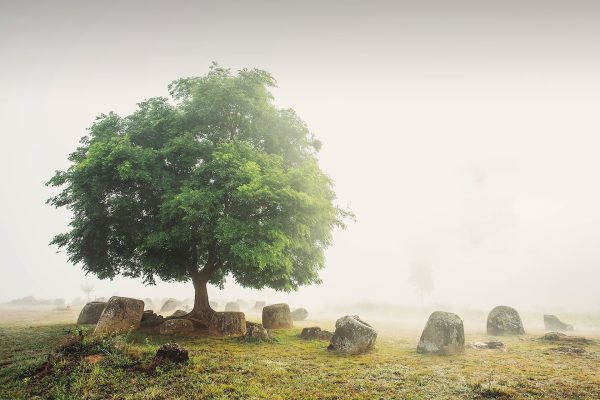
[
  {"x": 490, "y": 390},
  {"x": 257, "y": 340}
]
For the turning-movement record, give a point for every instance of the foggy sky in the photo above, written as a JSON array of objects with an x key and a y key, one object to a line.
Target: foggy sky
[{"x": 463, "y": 134}]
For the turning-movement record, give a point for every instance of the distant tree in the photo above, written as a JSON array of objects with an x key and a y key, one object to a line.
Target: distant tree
[
  {"x": 217, "y": 182},
  {"x": 87, "y": 289},
  {"x": 421, "y": 277}
]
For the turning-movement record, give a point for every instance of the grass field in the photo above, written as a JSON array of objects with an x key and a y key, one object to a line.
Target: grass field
[{"x": 289, "y": 368}]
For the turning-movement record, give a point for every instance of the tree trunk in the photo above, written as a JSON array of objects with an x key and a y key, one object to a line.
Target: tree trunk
[
  {"x": 232, "y": 323},
  {"x": 201, "y": 310}
]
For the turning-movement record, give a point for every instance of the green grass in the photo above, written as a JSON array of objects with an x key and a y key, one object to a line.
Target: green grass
[{"x": 287, "y": 368}]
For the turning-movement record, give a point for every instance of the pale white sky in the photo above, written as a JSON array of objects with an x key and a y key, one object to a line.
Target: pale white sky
[{"x": 462, "y": 133}]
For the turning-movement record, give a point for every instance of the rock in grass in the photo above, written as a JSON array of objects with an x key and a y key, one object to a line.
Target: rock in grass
[
  {"x": 259, "y": 305},
  {"x": 91, "y": 312},
  {"x": 504, "y": 320},
  {"x": 443, "y": 334},
  {"x": 179, "y": 313},
  {"x": 552, "y": 336},
  {"x": 314, "y": 333},
  {"x": 552, "y": 323},
  {"x": 120, "y": 315},
  {"x": 232, "y": 306},
  {"x": 352, "y": 335},
  {"x": 277, "y": 316},
  {"x": 299, "y": 314},
  {"x": 570, "y": 350},
  {"x": 171, "y": 352},
  {"x": 256, "y": 331},
  {"x": 561, "y": 337},
  {"x": 229, "y": 323},
  {"x": 150, "y": 319},
  {"x": 170, "y": 304},
  {"x": 177, "y": 327},
  {"x": 488, "y": 345}
]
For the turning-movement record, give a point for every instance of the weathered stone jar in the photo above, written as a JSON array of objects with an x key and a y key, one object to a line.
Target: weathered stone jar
[
  {"x": 277, "y": 316},
  {"x": 120, "y": 315},
  {"x": 504, "y": 320},
  {"x": 443, "y": 334},
  {"x": 177, "y": 327},
  {"x": 352, "y": 335},
  {"x": 91, "y": 312},
  {"x": 300, "y": 314}
]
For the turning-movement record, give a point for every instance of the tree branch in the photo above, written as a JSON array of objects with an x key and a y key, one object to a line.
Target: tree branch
[{"x": 212, "y": 264}]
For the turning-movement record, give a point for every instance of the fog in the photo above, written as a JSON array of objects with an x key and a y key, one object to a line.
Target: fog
[{"x": 463, "y": 135}]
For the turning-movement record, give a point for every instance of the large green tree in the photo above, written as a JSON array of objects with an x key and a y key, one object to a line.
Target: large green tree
[{"x": 215, "y": 182}]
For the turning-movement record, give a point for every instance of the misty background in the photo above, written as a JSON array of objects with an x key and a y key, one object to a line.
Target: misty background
[{"x": 463, "y": 135}]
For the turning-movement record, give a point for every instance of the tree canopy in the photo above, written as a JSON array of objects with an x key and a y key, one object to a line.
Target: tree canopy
[{"x": 215, "y": 180}]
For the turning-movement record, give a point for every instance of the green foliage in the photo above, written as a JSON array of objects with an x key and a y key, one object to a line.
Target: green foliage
[{"x": 217, "y": 176}]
